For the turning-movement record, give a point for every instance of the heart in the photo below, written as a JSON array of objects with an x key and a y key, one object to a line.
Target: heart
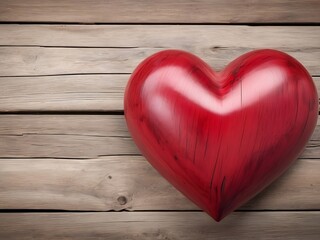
[{"x": 221, "y": 137}]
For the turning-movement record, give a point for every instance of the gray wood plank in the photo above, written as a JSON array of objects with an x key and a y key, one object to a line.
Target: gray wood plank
[
  {"x": 33, "y": 61},
  {"x": 165, "y": 225},
  {"x": 98, "y": 93},
  {"x": 179, "y": 11},
  {"x": 90, "y": 93},
  {"x": 79, "y": 136},
  {"x": 188, "y": 37},
  {"x": 130, "y": 183}
]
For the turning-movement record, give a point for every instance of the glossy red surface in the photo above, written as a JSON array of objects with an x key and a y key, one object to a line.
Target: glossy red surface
[{"x": 220, "y": 138}]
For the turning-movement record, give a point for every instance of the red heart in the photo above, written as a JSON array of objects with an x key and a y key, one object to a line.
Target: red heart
[{"x": 220, "y": 138}]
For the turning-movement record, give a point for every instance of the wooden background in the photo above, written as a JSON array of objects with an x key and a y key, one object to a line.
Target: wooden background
[{"x": 68, "y": 164}]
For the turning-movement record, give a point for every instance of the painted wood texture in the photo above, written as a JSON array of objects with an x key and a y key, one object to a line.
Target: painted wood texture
[
  {"x": 143, "y": 11},
  {"x": 76, "y": 154}
]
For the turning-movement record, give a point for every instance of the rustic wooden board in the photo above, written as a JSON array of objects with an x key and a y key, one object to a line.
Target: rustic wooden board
[
  {"x": 26, "y": 61},
  {"x": 75, "y": 156},
  {"x": 188, "y": 37},
  {"x": 79, "y": 136},
  {"x": 160, "y": 225},
  {"x": 90, "y": 93},
  {"x": 74, "y": 49},
  {"x": 98, "y": 93},
  {"x": 130, "y": 183},
  {"x": 143, "y": 11}
]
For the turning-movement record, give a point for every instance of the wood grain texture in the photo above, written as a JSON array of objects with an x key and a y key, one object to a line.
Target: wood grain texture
[
  {"x": 78, "y": 162},
  {"x": 71, "y": 136},
  {"x": 90, "y": 93},
  {"x": 188, "y": 37},
  {"x": 79, "y": 136},
  {"x": 33, "y": 61},
  {"x": 143, "y": 11},
  {"x": 130, "y": 183},
  {"x": 111, "y": 51},
  {"x": 166, "y": 225},
  {"x": 98, "y": 93},
  {"x": 92, "y": 49}
]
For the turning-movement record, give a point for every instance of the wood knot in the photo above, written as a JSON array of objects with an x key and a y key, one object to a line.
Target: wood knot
[{"x": 122, "y": 200}]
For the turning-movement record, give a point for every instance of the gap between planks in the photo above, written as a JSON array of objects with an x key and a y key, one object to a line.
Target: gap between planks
[
  {"x": 111, "y": 51},
  {"x": 130, "y": 183},
  {"x": 79, "y": 136}
]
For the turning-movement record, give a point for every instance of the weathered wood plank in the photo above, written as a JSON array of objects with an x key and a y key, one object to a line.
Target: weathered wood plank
[
  {"x": 33, "y": 61},
  {"x": 79, "y": 136},
  {"x": 65, "y": 146},
  {"x": 143, "y": 11},
  {"x": 165, "y": 225},
  {"x": 19, "y": 61},
  {"x": 188, "y": 37},
  {"x": 99, "y": 93},
  {"x": 115, "y": 52},
  {"x": 129, "y": 182}
]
